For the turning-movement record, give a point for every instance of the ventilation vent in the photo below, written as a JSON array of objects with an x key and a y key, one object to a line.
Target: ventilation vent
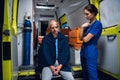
[{"x": 50, "y": 16}]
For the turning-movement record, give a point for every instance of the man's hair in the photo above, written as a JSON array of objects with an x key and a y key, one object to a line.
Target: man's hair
[{"x": 50, "y": 22}]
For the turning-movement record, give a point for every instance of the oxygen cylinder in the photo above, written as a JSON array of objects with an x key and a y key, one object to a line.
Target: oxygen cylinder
[{"x": 27, "y": 41}]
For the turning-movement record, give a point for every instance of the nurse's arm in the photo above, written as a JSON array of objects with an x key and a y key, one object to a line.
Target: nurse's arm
[{"x": 87, "y": 37}]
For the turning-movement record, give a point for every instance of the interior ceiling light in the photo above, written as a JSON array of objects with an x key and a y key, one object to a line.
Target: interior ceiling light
[
  {"x": 39, "y": 6},
  {"x": 44, "y": 7}
]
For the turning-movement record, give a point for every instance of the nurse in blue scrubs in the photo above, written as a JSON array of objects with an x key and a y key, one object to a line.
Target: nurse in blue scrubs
[{"x": 90, "y": 33}]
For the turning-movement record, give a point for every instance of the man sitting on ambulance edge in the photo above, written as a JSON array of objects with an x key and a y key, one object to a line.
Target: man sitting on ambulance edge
[{"x": 55, "y": 54}]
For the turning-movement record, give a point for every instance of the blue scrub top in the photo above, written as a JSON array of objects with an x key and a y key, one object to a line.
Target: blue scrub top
[{"x": 89, "y": 49}]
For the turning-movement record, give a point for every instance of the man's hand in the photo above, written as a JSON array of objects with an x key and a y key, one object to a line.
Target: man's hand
[
  {"x": 59, "y": 67},
  {"x": 56, "y": 69},
  {"x": 53, "y": 68}
]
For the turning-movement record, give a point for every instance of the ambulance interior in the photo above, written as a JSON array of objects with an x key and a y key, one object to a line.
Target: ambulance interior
[{"x": 69, "y": 14}]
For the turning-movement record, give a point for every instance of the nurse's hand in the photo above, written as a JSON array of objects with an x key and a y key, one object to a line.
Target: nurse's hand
[{"x": 87, "y": 24}]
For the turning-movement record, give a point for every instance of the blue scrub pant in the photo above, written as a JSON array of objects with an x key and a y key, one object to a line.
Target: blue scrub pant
[{"x": 89, "y": 68}]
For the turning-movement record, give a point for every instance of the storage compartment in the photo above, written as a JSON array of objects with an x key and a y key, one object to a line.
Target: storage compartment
[{"x": 74, "y": 39}]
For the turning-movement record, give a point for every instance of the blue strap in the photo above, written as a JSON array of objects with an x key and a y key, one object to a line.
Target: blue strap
[{"x": 56, "y": 43}]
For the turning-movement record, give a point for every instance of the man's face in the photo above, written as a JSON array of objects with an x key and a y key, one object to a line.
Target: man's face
[{"x": 54, "y": 28}]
